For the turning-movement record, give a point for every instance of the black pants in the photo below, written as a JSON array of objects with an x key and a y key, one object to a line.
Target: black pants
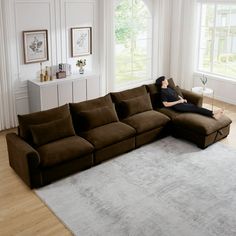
[{"x": 188, "y": 107}]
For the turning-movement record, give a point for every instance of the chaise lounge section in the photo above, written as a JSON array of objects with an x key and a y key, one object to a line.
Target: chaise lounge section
[{"x": 201, "y": 130}]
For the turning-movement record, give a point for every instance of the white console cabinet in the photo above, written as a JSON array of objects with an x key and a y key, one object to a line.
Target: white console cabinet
[{"x": 50, "y": 94}]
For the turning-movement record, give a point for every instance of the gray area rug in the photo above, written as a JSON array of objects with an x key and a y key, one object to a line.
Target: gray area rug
[{"x": 166, "y": 188}]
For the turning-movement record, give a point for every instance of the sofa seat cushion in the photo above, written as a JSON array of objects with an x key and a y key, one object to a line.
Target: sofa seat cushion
[
  {"x": 146, "y": 121},
  {"x": 169, "y": 112},
  {"x": 108, "y": 134},
  {"x": 200, "y": 124},
  {"x": 63, "y": 150}
]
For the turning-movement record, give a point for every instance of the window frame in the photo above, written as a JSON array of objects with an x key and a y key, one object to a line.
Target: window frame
[{"x": 199, "y": 34}]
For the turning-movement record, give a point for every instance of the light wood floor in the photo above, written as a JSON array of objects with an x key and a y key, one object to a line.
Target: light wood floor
[{"x": 23, "y": 213}]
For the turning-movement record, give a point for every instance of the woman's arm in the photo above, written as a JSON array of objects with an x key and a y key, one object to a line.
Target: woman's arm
[{"x": 170, "y": 104}]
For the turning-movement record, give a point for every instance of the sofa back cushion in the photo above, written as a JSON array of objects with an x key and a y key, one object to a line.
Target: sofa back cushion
[
  {"x": 51, "y": 131},
  {"x": 155, "y": 95},
  {"x": 91, "y": 119},
  {"x": 118, "y": 97},
  {"x": 25, "y": 121},
  {"x": 136, "y": 105},
  {"x": 93, "y": 113}
]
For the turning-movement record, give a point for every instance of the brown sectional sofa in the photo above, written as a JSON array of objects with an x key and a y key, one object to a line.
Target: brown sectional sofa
[{"x": 58, "y": 142}]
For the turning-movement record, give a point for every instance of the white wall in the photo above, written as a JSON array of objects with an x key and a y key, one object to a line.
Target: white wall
[{"x": 57, "y": 16}]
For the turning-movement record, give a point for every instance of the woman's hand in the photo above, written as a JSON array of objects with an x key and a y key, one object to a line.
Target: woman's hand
[{"x": 181, "y": 100}]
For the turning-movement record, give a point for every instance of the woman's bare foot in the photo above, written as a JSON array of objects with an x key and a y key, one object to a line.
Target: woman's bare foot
[{"x": 217, "y": 114}]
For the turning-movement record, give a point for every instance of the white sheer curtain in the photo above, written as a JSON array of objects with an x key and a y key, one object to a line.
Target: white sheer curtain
[
  {"x": 162, "y": 10},
  {"x": 183, "y": 42},
  {"x": 107, "y": 44},
  {"x": 7, "y": 101}
]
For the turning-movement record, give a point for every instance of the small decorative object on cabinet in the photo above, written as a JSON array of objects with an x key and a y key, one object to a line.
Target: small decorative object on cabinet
[
  {"x": 46, "y": 77},
  {"x": 61, "y": 73},
  {"x": 41, "y": 73},
  {"x": 81, "y": 63}
]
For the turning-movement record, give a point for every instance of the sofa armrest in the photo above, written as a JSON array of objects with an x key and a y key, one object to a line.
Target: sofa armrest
[
  {"x": 193, "y": 98},
  {"x": 23, "y": 158}
]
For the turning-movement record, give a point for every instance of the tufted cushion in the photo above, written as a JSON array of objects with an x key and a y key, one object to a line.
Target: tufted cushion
[
  {"x": 97, "y": 117},
  {"x": 25, "y": 121},
  {"x": 136, "y": 105},
  {"x": 51, "y": 131}
]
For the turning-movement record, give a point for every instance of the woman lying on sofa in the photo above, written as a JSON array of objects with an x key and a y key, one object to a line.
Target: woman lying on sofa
[{"x": 172, "y": 100}]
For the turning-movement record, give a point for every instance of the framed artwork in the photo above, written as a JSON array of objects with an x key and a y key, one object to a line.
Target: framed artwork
[
  {"x": 81, "y": 41},
  {"x": 35, "y": 44}
]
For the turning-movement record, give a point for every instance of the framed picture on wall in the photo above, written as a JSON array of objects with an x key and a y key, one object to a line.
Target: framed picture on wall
[
  {"x": 81, "y": 41},
  {"x": 35, "y": 44}
]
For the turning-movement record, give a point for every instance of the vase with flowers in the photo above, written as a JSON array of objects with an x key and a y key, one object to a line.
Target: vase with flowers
[
  {"x": 204, "y": 81},
  {"x": 81, "y": 63}
]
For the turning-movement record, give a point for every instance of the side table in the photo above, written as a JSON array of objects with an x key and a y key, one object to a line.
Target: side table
[{"x": 205, "y": 91}]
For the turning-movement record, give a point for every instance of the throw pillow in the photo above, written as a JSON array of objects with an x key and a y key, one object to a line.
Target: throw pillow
[
  {"x": 91, "y": 119},
  {"x": 136, "y": 105},
  {"x": 51, "y": 131},
  {"x": 25, "y": 121}
]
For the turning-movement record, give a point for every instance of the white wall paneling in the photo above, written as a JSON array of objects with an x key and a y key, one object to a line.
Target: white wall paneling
[
  {"x": 79, "y": 13},
  {"x": 57, "y": 16},
  {"x": 93, "y": 88}
]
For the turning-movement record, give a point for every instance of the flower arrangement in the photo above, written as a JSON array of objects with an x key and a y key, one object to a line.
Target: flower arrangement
[
  {"x": 81, "y": 63},
  {"x": 203, "y": 80}
]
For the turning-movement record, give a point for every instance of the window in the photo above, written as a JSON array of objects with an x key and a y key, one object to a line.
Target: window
[
  {"x": 133, "y": 42},
  {"x": 217, "y": 43}
]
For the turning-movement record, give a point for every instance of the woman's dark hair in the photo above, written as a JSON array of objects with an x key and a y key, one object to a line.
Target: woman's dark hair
[{"x": 160, "y": 80}]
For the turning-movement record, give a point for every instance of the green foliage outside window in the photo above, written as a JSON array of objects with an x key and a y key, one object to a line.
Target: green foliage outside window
[{"x": 133, "y": 42}]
